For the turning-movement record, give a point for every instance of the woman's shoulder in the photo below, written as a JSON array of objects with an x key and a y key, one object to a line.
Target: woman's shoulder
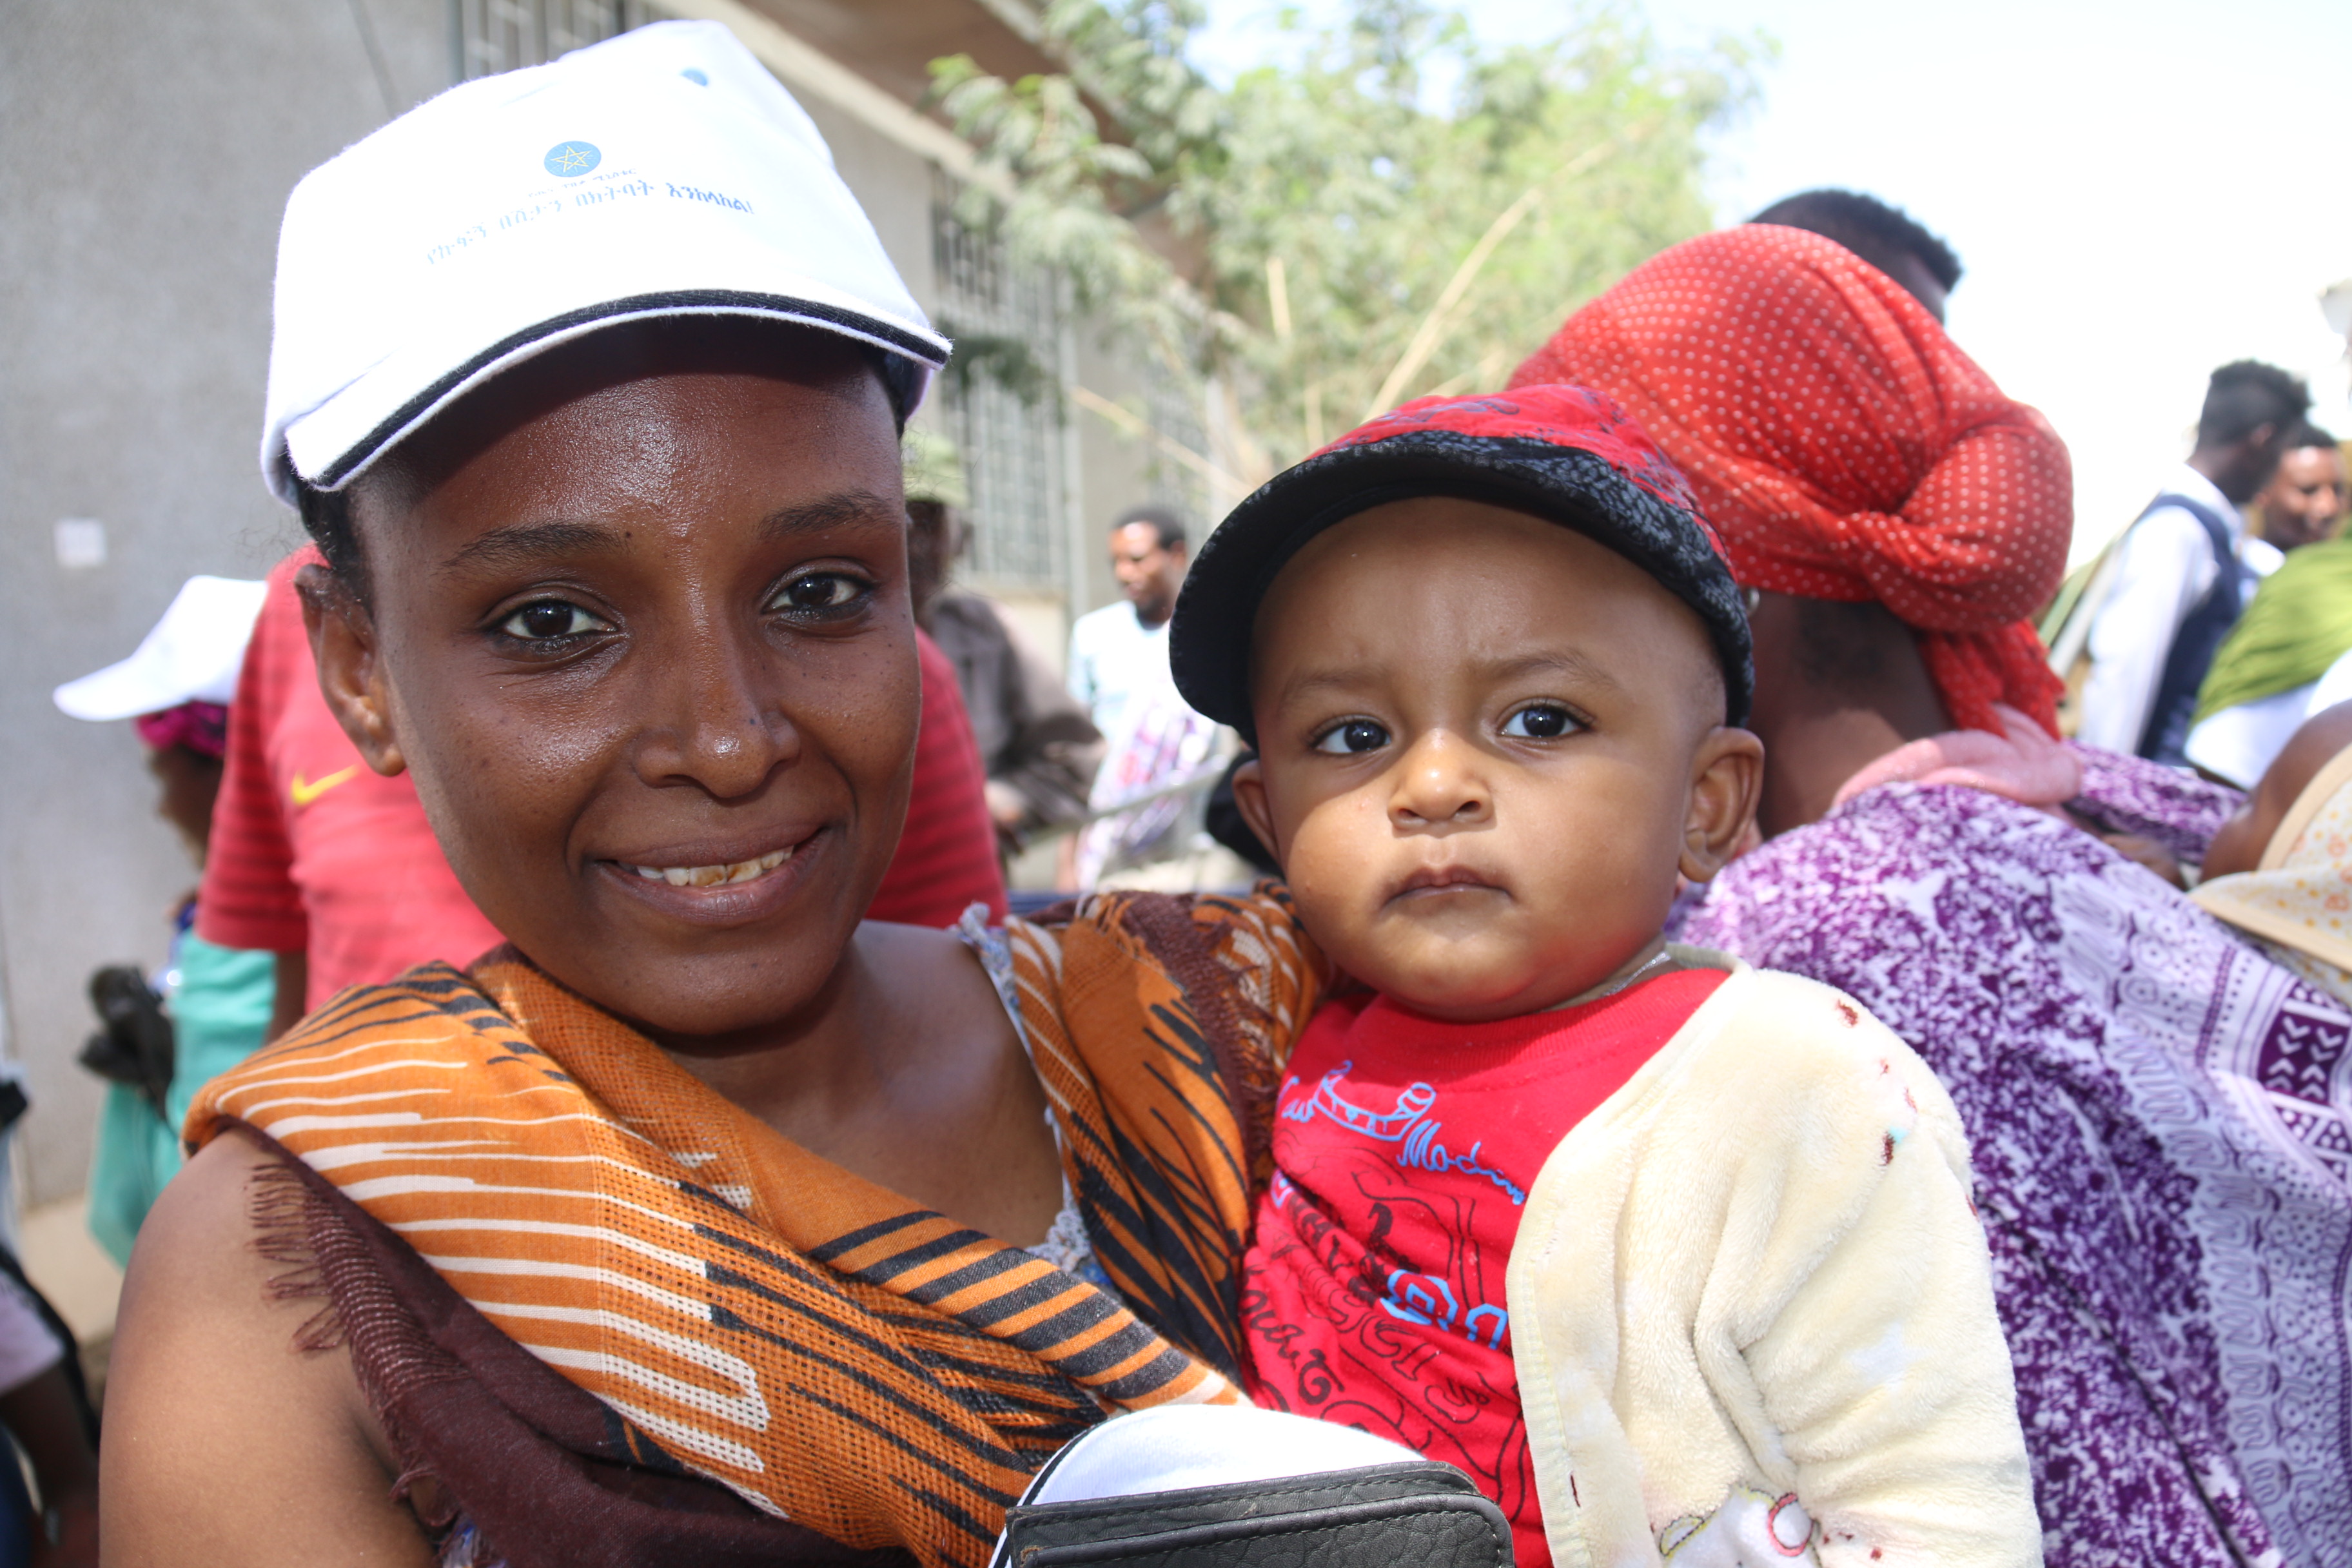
[
  {"x": 429, "y": 1020},
  {"x": 212, "y": 1422},
  {"x": 1240, "y": 965},
  {"x": 1263, "y": 921},
  {"x": 1249, "y": 946}
]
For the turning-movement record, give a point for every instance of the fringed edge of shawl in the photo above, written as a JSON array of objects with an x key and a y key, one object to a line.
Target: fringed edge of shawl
[
  {"x": 294, "y": 1225},
  {"x": 1166, "y": 926},
  {"x": 279, "y": 1207}
]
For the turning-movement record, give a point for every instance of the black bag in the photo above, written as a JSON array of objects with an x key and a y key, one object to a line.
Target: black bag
[
  {"x": 135, "y": 1046},
  {"x": 1418, "y": 1512}
]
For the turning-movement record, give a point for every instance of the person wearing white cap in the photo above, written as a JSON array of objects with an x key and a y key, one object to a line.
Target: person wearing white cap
[
  {"x": 209, "y": 1003},
  {"x": 176, "y": 686},
  {"x": 707, "y": 1222}
]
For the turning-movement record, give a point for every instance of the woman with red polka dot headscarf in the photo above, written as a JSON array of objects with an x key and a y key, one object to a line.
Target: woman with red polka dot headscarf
[
  {"x": 2156, "y": 1137},
  {"x": 1896, "y": 516}
]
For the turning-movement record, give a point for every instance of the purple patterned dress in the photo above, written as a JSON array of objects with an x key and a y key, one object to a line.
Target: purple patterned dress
[{"x": 2162, "y": 1146}]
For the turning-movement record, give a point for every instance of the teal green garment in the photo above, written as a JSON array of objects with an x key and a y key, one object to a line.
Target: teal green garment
[{"x": 218, "y": 1016}]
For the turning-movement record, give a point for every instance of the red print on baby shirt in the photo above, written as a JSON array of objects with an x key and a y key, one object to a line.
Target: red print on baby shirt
[{"x": 1403, "y": 1151}]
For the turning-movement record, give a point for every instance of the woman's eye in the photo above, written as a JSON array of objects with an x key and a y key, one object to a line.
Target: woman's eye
[
  {"x": 820, "y": 591},
  {"x": 1540, "y": 721},
  {"x": 543, "y": 620},
  {"x": 1355, "y": 735}
]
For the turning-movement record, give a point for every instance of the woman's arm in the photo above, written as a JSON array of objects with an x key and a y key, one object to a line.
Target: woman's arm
[{"x": 224, "y": 1443}]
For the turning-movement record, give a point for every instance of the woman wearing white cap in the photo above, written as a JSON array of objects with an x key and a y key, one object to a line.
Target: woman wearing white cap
[
  {"x": 704, "y": 1223},
  {"x": 176, "y": 688}
]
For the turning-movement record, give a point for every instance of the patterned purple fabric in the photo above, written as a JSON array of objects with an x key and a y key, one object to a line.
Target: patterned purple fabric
[
  {"x": 2159, "y": 1118},
  {"x": 2130, "y": 795}
]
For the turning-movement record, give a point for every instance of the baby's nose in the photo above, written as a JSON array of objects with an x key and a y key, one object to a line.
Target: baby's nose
[{"x": 1442, "y": 784}]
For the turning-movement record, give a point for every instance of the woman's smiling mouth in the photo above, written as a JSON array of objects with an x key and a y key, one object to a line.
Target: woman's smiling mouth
[
  {"x": 722, "y": 875},
  {"x": 722, "y": 884}
]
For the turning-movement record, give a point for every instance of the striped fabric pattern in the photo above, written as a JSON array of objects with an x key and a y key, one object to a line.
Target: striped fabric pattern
[
  {"x": 1168, "y": 1145},
  {"x": 874, "y": 1370}
]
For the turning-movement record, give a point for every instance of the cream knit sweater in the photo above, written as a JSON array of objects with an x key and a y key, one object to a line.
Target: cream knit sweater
[{"x": 1751, "y": 1307}]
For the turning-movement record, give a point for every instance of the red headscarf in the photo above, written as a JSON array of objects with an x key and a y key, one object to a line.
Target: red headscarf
[{"x": 1845, "y": 447}]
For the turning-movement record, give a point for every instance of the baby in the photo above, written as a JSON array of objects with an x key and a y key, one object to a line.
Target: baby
[{"x": 1672, "y": 1256}]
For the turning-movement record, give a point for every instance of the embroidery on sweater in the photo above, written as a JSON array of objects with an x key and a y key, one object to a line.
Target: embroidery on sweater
[{"x": 1750, "y": 1529}]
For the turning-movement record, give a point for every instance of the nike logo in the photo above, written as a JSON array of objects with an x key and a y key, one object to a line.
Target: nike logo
[{"x": 304, "y": 793}]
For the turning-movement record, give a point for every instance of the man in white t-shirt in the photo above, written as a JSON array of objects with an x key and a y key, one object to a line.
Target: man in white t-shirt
[
  {"x": 1121, "y": 652},
  {"x": 1119, "y": 669},
  {"x": 2173, "y": 601}
]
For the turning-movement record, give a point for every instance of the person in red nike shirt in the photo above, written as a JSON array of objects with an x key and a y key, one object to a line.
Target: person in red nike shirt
[{"x": 333, "y": 867}]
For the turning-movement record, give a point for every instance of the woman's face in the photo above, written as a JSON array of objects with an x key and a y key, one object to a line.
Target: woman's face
[
  {"x": 190, "y": 783},
  {"x": 639, "y": 627}
]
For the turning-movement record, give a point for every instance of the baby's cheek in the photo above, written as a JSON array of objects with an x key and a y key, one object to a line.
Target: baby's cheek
[
  {"x": 1319, "y": 858},
  {"x": 1334, "y": 866}
]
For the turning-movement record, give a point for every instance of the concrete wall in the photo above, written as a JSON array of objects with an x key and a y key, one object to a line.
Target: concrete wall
[{"x": 146, "y": 154}]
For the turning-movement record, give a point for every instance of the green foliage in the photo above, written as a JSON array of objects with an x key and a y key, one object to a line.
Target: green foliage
[
  {"x": 1011, "y": 363},
  {"x": 1416, "y": 249}
]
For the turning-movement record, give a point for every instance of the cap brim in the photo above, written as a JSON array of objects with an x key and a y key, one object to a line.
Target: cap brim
[
  {"x": 334, "y": 444},
  {"x": 123, "y": 691}
]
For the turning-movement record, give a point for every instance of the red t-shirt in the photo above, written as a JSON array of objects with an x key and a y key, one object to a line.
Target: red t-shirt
[
  {"x": 1404, "y": 1150},
  {"x": 314, "y": 851}
]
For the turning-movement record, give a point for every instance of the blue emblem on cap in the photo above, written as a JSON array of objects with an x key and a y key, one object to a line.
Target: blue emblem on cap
[
  {"x": 572, "y": 159},
  {"x": 696, "y": 74}
]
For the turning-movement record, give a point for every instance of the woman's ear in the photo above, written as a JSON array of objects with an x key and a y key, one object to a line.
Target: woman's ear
[
  {"x": 1249, "y": 796},
  {"x": 350, "y": 666},
  {"x": 1726, "y": 781}
]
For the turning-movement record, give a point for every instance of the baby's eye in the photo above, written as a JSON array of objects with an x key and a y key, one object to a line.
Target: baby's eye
[
  {"x": 543, "y": 620},
  {"x": 821, "y": 591},
  {"x": 1540, "y": 721},
  {"x": 1355, "y": 735}
]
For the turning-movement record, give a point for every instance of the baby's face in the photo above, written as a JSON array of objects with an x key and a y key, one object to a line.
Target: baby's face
[{"x": 1487, "y": 746}]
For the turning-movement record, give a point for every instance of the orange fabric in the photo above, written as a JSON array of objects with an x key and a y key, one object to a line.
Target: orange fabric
[
  {"x": 1844, "y": 445},
  {"x": 821, "y": 1346},
  {"x": 1218, "y": 989}
]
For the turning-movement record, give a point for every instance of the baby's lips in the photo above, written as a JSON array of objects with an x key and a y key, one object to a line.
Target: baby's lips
[{"x": 1435, "y": 879}]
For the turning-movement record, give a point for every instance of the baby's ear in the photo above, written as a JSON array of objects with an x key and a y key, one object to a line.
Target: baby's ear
[
  {"x": 1249, "y": 796},
  {"x": 1726, "y": 781}
]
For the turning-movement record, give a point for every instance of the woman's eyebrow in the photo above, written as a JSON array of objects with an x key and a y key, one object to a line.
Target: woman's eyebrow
[
  {"x": 522, "y": 544},
  {"x": 845, "y": 509},
  {"x": 525, "y": 544}
]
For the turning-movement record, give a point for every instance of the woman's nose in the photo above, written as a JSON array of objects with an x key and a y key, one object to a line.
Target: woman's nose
[
  {"x": 1441, "y": 783},
  {"x": 728, "y": 731}
]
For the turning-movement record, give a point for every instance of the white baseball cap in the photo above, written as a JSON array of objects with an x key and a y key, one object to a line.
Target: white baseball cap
[
  {"x": 193, "y": 655},
  {"x": 664, "y": 172}
]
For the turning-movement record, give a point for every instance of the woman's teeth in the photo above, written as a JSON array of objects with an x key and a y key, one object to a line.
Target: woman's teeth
[{"x": 714, "y": 875}]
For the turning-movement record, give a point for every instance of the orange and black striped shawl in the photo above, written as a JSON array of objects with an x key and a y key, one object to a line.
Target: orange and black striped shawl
[{"x": 743, "y": 1311}]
